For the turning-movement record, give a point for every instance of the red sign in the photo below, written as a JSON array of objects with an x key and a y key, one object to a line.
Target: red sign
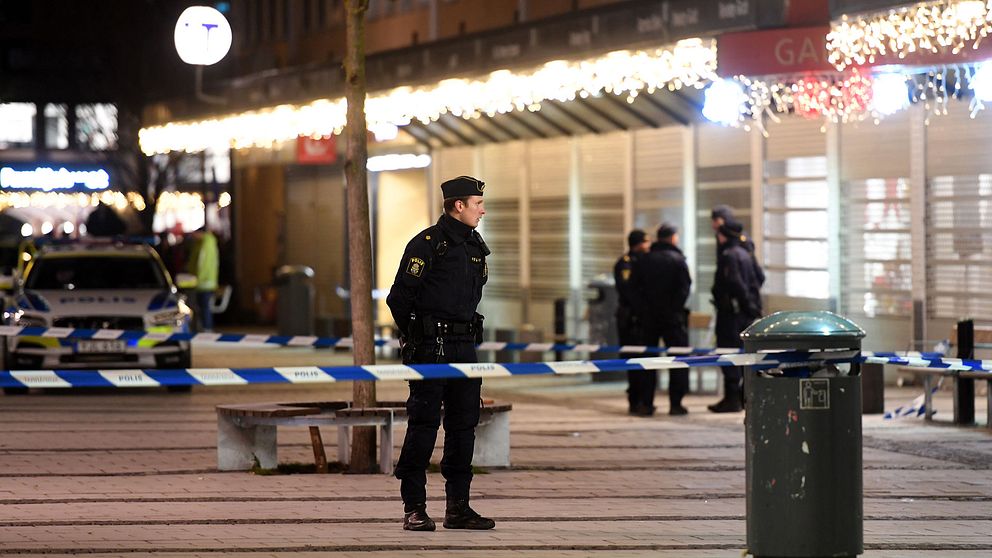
[
  {"x": 321, "y": 151},
  {"x": 776, "y": 51},
  {"x": 797, "y": 50}
]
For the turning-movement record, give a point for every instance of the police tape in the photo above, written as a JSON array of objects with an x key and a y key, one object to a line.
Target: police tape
[
  {"x": 386, "y": 372},
  {"x": 927, "y": 360},
  {"x": 915, "y": 408},
  {"x": 331, "y": 342}
]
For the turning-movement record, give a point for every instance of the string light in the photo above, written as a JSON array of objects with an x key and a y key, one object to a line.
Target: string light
[
  {"x": 832, "y": 97},
  {"x": 836, "y": 100},
  {"x": 944, "y": 26},
  {"x": 689, "y": 63},
  {"x": 74, "y": 201}
]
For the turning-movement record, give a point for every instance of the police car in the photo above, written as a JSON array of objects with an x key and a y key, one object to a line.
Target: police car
[{"x": 97, "y": 286}]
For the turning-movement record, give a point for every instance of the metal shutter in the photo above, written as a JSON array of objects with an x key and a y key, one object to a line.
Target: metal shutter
[
  {"x": 723, "y": 176},
  {"x": 549, "y": 161},
  {"x": 501, "y": 226},
  {"x": 876, "y": 243},
  {"x": 602, "y": 167},
  {"x": 454, "y": 161},
  {"x": 795, "y": 209},
  {"x": 658, "y": 177},
  {"x": 959, "y": 215}
]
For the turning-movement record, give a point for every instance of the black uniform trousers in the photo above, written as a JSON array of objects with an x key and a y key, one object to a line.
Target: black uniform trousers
[
  {"x": 460, "y": 398},
  {"x": 641, "y": 384},
  {"x": 729, "y": 326},
  {"x": 673, "y": 334}
]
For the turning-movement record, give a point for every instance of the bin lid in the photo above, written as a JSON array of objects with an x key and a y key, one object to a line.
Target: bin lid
[{"x": 802, "y": 330}]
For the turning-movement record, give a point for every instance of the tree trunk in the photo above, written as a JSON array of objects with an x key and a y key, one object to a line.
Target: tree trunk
[{"x": 359, "y": 236}]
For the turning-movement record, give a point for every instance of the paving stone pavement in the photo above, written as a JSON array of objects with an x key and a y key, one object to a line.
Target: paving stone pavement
[{"x": 133, "y": 473}]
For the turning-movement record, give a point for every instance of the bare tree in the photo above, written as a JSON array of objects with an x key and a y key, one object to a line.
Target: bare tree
[{"x": 359, "y": 235}]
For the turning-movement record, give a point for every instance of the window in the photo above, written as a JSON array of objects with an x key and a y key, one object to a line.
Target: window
[
  {"x": 95, "y": 272},
  {"x": 96, "y": 127},
  {"x": 877, "y": 247},
  {"x": 16, "y": 125},
  {"x": 795, "y": 248},
  {"x": 56, "y": 127}
]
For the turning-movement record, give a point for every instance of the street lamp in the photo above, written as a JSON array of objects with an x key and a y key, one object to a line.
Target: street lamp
[{"x": 203, "y": 37}]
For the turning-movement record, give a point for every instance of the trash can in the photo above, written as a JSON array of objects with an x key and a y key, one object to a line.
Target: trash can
[
  {"x": 803, "y": 439},
  {"x": 603, "y": 322},
  {"x": 295, "y": 300}
]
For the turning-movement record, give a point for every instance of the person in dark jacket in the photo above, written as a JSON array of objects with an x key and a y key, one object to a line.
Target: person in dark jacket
[
  {"x": 661, "y": 289},
  {"x": 628, "y": 328},
  {"x": 721, "y": 214},
  {"x": 433, "y": 300},
  {"x": 737, "y": 298}
]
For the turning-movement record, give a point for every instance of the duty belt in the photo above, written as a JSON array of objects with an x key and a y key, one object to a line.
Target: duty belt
[{"x": 442, "y": 328}]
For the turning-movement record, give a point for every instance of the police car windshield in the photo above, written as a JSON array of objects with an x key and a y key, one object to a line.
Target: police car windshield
[{"x": 95, "y": 272}]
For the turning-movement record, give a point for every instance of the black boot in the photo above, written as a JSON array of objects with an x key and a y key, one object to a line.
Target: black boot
[
  {"x": 460, "y": 516},
  {"x": 727, "y": 405},
  {"x": 416, "y": 519}
]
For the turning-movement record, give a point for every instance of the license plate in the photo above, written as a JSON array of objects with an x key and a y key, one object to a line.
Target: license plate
[{"x": 101, "y": 346}]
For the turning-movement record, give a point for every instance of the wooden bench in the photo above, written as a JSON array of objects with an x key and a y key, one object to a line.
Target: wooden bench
[{"x": 246, "y": 433}]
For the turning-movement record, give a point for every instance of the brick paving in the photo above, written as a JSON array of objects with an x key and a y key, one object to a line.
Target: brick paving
[{"x": 112, "y": 473}]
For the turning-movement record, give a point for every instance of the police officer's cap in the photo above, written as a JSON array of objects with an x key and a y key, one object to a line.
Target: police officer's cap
[{"x": 462, "y": 187}]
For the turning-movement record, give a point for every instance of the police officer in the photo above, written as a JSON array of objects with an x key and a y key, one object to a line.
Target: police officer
[
  {"x": 737, "y": 298},
  {"x": 433, "y": 300},
  {"x": 627, "y": 327},
  {"x": 661, "y": 289},
  {"x": 721, "y": 214}
]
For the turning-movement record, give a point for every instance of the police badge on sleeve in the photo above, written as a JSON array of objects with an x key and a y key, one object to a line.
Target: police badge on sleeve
[{"x": 415, "y": 267}]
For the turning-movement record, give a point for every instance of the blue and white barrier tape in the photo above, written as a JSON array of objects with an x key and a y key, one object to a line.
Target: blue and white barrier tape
[
  {"x": 327, "y": 342},
  {"x": 916, "y": 408},
  {"x": 927, "y": 360},
  {"x": 320, "y": 374}
]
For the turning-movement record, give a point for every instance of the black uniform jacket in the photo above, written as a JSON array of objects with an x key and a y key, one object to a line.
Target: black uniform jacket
[
  {"x": 737, "y": 287},
  {"x": 661, "y": 285},
  {"x": 441, "y": 274},
  {"x": 624, "y": 279}
]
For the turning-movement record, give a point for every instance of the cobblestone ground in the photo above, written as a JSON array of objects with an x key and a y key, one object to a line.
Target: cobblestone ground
[{"x": 134, "y": 473}]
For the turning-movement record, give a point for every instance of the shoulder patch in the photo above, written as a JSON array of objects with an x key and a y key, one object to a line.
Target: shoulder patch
[
  {"x": 626, "y": 258},
  {"x": 625, "y": 275},
  {"x": 415, "y": 267}
]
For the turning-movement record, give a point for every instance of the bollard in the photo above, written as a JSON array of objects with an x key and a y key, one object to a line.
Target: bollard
[{"x": 803, "y": 441}]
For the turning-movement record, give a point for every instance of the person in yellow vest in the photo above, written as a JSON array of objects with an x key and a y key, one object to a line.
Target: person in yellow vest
[{"x": 204, "y": 263}]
